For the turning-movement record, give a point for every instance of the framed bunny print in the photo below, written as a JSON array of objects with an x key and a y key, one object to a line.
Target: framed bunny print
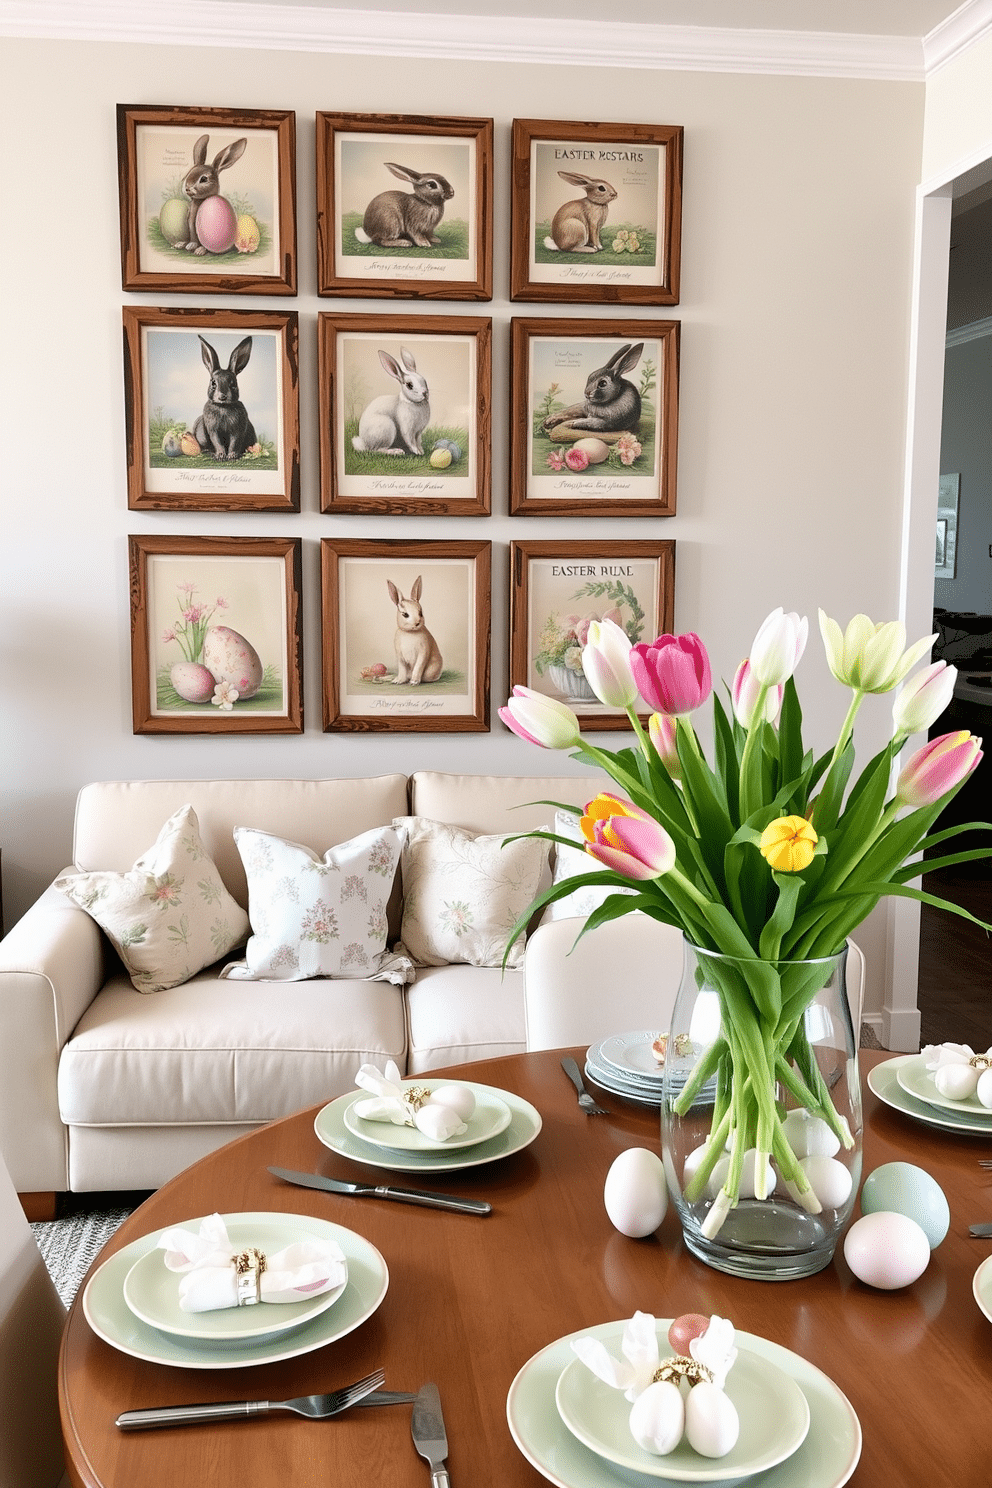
[
  {"x": 216, "y": 635},
  {"x": 212, "y": 414},
  {"x": 593, "y": 417},
  {"x": 405, "y": 635},
  {"x": 596, "y": 212},
  {"x": 207, "y": 199},
  {"x": 404, "y": 206},
  {"x": 559, "y": 588},
  {"x": 405, "y": 414}
]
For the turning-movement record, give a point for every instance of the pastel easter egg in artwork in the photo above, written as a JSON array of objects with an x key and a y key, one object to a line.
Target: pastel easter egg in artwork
[
  {"x": 193, "y": 682},
  {"x": 886, "y": 1250},
  {"x": 189, "y": 444},
  {"x": 440, "y": 457},
  {"x": 170, "y": 444},
  {"x": 247, "y": 237},
  {"x": 216, "y": 224},
  {"x": 172, "y": 220},
  {"x": 595, "y": 450},
  {"x": 904, "y": 1188},
  {"x": 636, "y": 1193},
  {"x": 232, "y": 659}
]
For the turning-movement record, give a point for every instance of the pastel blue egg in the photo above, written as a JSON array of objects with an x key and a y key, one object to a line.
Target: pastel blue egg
[{"x": 906, "y": 1189}]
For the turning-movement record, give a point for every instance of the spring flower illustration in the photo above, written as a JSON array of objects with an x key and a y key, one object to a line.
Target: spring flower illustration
[{"x": 189, "y": 632}]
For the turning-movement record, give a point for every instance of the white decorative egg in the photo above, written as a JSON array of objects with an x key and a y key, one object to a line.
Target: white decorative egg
[
  {"x": 956, "y": 1081},
  {"x": 718, "y": 1177},
  {"x": 438, "y": 1122},
  {"x": 232, "y": 659},
  {"x": 810, "y": 1136},
  {"x": 829, "y": 1180},
  {"x": 984, "y": 1088},
  {"x": 193, "y": 682},
  {"x": 712, "y": 1424},
  {"x": 903, "y": 1188},
  {"x": 657, "y": 1418},
  {"x": 886, "y": 1250},
  {"x": 457, "y": 1097},
  {"x": 635, "y": 1193}
]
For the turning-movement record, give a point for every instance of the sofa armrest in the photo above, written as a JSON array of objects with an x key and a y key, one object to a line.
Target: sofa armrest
[{"x": 52, "y": 965}]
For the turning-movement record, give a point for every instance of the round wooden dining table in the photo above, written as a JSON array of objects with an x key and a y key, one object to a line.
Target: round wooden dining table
[{"x": 471, "y": 1299}]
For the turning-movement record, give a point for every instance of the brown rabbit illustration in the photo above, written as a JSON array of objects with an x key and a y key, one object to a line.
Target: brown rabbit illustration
[
  {"x": 576, "y": 225},
  {"x": 202, "y": 181}
]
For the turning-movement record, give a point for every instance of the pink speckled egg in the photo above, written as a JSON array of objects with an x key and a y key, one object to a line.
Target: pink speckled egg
[
  {"x": 193, "y": 682},
  {"x": 232, "y": 659},
  {"x": 216, "y": 224}
]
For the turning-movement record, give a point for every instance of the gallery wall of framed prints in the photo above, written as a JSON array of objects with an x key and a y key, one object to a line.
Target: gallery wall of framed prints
[{"x": 410, "y": 430}]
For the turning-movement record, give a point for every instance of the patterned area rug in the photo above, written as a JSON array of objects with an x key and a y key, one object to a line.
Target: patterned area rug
[{"x": 70, "y": 1243}]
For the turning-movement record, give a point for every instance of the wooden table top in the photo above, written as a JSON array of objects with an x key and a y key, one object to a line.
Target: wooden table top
[{"x": 470, "y": 1300}]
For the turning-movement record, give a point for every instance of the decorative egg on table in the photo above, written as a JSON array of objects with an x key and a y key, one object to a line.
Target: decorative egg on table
[
  {"x": 193, "y": 682},
  {"x": 232, "y": 659},
  {"x": 886, "y": 1250},
  {"x": 216, "y": 224},
  {"x": 636, "y": 1193},
  {"x": 172, "y": 220},
  {"x": 906, "y": 1189}
]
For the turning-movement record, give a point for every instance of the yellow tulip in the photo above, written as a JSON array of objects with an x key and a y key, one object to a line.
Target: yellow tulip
[{"x": 788, "y": 844}]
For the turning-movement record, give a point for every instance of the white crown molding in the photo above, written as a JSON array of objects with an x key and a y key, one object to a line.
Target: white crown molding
[
  {"x": 968, "y": 24},
  {"x": 974, "y": 331},
  {"x": 307, "y": 28}
]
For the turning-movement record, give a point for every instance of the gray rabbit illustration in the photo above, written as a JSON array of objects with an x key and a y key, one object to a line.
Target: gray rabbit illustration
[
  {"x": 202, "y": 181},
  {"x": 406, "y": 219},
  {"x": 576, "y": 225},
  {"x": 418, "y": 658},
  {"x": 610, "y": 404},
  {"x": 224, "y": 426},
  {"x": 394, "y": 424}
]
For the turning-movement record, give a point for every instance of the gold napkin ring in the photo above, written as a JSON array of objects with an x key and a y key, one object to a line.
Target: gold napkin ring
[{"x": 249, "y": 1265}]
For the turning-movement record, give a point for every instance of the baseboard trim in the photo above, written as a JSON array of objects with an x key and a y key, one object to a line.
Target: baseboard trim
[{"x": 899, "y": 1031}]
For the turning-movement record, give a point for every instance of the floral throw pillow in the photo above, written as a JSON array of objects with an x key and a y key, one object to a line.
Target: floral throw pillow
[
  {"x": 170, "y": 915},
  {"x": 570, "y": 862},
  {"x": 319, "y": 917},
  {"x": 463, "y": 894}
]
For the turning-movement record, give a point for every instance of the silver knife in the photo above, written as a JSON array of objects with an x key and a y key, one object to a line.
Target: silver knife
[
  {"x": 981, "y": 1231},
  {"x": 427, "y": 1428},
  {"x": 385, "y": 1191}
]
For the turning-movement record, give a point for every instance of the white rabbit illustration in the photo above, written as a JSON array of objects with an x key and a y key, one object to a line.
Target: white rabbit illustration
[
  {"x": 394, "y": 425},
  {"x": 576, "y": 225},
  {"x": 418, "y": 658}
]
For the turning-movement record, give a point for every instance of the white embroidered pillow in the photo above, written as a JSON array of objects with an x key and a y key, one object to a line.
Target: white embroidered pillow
[
  {"x": 319, "y": 917},
  {"x": 463, "y": 894},
  {"x": 570, "y": 862},
  {"x": 170, "y": 915}
]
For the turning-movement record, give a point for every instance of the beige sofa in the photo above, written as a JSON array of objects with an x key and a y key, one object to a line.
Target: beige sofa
[{"x": 105, "y": 1087}]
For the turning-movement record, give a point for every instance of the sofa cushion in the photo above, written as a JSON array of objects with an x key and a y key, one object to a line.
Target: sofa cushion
[
  {"x": 463, "y": 894},
  {"x": 319, "y": 917},
  {"x": 497, "y": 803},
  {"x": 222, "y": 1052},
  {"x": 168, "y": 916},
  {"x": 459, "y": 1013}
]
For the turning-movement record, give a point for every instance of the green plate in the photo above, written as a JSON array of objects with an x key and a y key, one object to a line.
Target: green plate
[
  {"x": 883, "y": 1081},
  {"x": 490, "y": 1117},
  {"x": 773, "y": 1413},
  {"x": 826, "y": 1459},
  {"x": 152, "y": 1291},
  {"x": 524, "y": 1125},
  {"x": 917, "y": 1081},
  {"x": 112, "y": 1320}
]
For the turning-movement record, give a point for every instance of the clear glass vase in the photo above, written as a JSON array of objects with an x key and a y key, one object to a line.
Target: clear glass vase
[{"x": 761, "y": 1120}]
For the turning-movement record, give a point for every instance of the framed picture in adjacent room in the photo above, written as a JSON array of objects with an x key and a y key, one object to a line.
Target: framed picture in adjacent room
[
  {"x": 594, "y": 410},
  {"x": 404, "y": 206},
  {"x": 207, "y": 199},
  {"x": 216, "y": 635},
  {"x": 946, "y": 548},
  {"x": 596, "y": 212},
  {"x": 558, "y": 588},
  {"x": 405, "y": 414},
  {"x": 212, "y": 413},
  {"x": 405, "y": 629}
]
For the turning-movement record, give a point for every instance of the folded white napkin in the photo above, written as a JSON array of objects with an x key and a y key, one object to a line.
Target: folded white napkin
[
  {"x": 406, "y": 1105},
  {"x": 300, "y": 1271}
]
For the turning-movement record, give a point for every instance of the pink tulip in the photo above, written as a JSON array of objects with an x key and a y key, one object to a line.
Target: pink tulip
[
  {"x": 623, "y": 837},
  {"x": 541, "y": 720},
  {"x": 673, "y": 673},
  {"x": 745, "y": 693},
  {"x": 937, "y": 768},
  {"x": 661, "y": 731}
]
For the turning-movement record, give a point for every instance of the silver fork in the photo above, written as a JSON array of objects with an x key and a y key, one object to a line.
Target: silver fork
[
  {"x": 985, "y": 1162},
  {"x": 315, "y": 1407},
  {"x": 585, "y": 1099}
]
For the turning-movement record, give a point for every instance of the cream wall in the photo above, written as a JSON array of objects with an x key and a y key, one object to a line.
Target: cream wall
[
  {"x": 958, "y": 119},
  {"x": 797, "y": 262}
]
